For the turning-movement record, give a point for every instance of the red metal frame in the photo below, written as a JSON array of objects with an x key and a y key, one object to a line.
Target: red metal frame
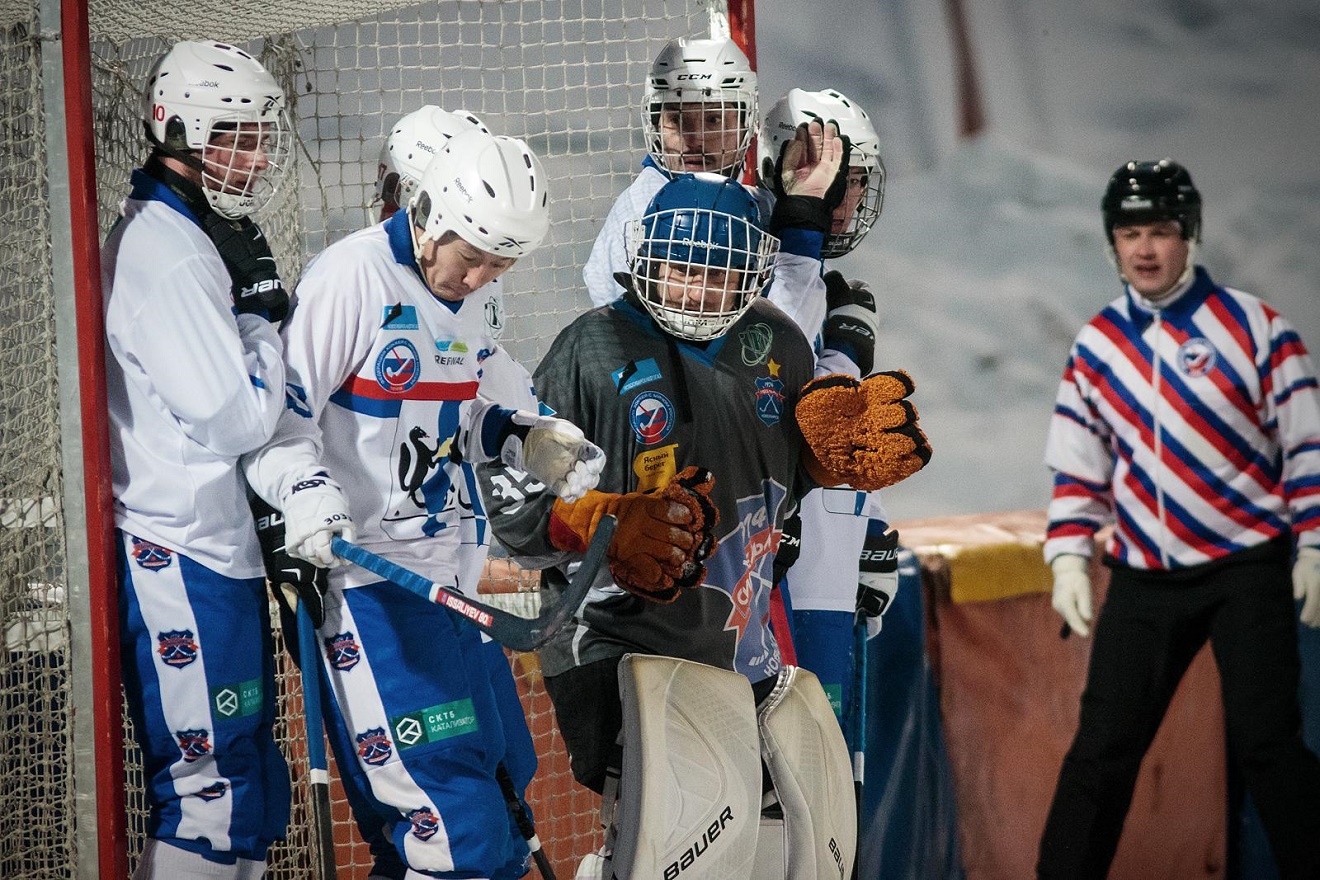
[
  {"x": 112, "y": 827},
  {"x": 742, "y": 27}
]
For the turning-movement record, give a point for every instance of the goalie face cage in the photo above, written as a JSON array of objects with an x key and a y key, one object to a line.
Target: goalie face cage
[{"x": 539, "y": 70}]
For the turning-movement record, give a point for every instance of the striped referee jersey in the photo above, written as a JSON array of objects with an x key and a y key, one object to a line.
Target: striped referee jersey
[{"x": 1195, "y": 426}]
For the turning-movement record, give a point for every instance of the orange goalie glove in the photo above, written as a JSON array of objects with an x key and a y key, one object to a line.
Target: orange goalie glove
[
  {"x": 663, "y": 538},
  {"x": 863, "y": 434}
]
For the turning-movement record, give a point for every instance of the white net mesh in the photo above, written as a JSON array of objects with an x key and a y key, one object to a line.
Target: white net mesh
[
  {"x": 565, "y": 75},
  {"x": 34, "y": 798}
]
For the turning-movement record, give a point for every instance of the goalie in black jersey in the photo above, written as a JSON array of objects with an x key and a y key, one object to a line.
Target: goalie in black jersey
[{"x": 691, "y": 383}]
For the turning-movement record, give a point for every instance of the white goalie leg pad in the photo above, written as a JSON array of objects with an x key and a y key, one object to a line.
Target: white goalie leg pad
[
  {"x": 804, "y": 750},
  {"x": 690, "y": 792}
]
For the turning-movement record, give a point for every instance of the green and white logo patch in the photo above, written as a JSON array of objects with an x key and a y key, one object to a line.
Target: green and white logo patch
[
  {"x": 434, "y": 724},
  {"x": 237, "y": 700}
]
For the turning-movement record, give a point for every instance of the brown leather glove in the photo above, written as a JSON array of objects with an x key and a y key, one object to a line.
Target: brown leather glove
[
  {"x": 863, "y": 434},
  {"x": 663, "y": 537}
]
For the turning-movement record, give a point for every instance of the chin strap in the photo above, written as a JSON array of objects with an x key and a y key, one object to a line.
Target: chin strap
[{"x": 189, "y": 191}]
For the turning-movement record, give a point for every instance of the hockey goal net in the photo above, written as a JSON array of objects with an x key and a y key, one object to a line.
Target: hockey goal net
[{"x": 566, "y": 75}]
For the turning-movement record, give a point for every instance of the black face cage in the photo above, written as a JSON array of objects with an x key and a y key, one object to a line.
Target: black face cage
[{"x": 838, "y": 244}]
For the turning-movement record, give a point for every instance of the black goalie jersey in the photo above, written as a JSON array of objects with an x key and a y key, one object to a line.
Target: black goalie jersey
[{"x": 657, "y": 404}]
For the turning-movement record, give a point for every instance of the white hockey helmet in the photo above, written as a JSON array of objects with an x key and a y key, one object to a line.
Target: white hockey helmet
[
  {"x": 412, "y": 142},
  {"x": 799, "y": 106},
  {"x": 200, "y": 91},
  {"x": 490, "y": 190},
  {"x": 713, "y": 72}
]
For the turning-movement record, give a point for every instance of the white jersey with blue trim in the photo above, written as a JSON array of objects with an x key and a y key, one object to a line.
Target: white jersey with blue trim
[
  {"x": 387, "y": 401},
  {"x": 609, "y": 254},
  {"x": 191, "y": 386},
  {"x": 1196, "y": 425}
]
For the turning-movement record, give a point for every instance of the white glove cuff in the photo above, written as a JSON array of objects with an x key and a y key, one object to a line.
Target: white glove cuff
[{"x": 1070, "y": 563}]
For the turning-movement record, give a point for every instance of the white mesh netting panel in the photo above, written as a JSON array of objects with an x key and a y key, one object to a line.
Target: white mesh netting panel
[
  {"x": 35, "y": 799},
  {"x": 565, "y": 75}
]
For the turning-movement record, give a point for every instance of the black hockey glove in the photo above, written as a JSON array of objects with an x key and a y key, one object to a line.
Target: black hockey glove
[
  {"x": 851, "y": 323},
  {"x": 283, "y": 571},
  {"x": 796, "y": 208},
  {"x": 877, "y": 577},
  {"x": 257, "y": 288},
  {"x": 790, "y": 546}
]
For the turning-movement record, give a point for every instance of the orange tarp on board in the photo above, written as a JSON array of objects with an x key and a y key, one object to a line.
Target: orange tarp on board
[{"x": 1010, "y": 691}]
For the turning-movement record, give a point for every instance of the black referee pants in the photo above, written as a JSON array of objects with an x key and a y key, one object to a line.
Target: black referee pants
[{"x": 1150, "y": 628}]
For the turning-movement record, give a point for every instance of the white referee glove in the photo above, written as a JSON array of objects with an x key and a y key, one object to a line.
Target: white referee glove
[
  {"x": 314, "y": 512},
  {"x": 1306, "y": 584},
  {"x": 556, "y": 452},
  {"x": 1072, "y": 591}
]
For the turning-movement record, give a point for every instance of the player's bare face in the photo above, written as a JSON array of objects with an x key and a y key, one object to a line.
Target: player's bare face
[
  {"x": 455, "y": 268},
  {"x": 233, "y": 160},
  {"x": 843, "y": 216},
  {"x": 700, "y": 137},
  {"x": 1151, "y": 256},
  {"x": 697, "y": 289}
]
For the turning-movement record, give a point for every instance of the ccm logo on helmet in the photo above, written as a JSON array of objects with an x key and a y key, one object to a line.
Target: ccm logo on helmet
[
  {"x": 683, "y": 76},
  {"x": 699, "y": 846}
]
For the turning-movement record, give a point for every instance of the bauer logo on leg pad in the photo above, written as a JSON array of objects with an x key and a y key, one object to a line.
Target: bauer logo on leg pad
[{"x": 700, "y": 845}]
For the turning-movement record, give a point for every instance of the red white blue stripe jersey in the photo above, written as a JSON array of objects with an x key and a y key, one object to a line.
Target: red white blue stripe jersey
[{"x": 1195, "y": 425}]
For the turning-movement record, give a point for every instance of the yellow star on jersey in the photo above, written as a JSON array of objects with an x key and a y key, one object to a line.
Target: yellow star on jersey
[{"x": 774, "y": 368}]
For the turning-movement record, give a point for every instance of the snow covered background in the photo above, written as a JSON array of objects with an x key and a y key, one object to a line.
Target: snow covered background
[{"x": 989, "y": 255}]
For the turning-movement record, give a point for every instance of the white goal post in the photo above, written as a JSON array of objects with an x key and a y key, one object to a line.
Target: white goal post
[{"x": 565, "y": 75}]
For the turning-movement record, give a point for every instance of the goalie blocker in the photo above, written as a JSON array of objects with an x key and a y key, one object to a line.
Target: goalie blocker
[{"x": 691, "y": 789}]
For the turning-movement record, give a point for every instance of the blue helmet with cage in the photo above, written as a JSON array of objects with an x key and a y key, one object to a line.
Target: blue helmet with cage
[{"x": 699, "y": 256}]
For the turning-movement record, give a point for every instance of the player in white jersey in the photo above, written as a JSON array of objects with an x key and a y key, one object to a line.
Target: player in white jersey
[
  {"x": 846, "y": 561},
  {"x": 388, "y": 369},
  {"x": 414, "y": 139},
  {"x": 698, "y": 114},
  {"x": 195, "y": 379}
]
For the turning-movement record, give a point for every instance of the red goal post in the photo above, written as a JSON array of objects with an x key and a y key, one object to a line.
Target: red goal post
[{"x": 566, "y": 75}]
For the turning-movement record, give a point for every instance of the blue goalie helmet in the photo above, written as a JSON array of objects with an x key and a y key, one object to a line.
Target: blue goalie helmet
[{"x": 699, "y": 256}]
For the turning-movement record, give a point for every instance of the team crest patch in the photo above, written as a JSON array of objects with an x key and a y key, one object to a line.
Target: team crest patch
[
  {"x": 214, "y": 791},
  {"x": 770, "y": 396},
  {"x": 652, "y": 417},
  {"x": 755, "y": 341},
  {"x": 1196, "y": 358},
  {"x": 177, "y": 648},
  {"x": 193, "y": 744},
  {"x": 374, "y": 747},
  {"x": 424, "y": 823},
  {"x": 635, "y": 374},
  {"x": 343, "y": 651},
  {"x": 397, "y": 367},
  {"x": 152, "y": 557}
]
